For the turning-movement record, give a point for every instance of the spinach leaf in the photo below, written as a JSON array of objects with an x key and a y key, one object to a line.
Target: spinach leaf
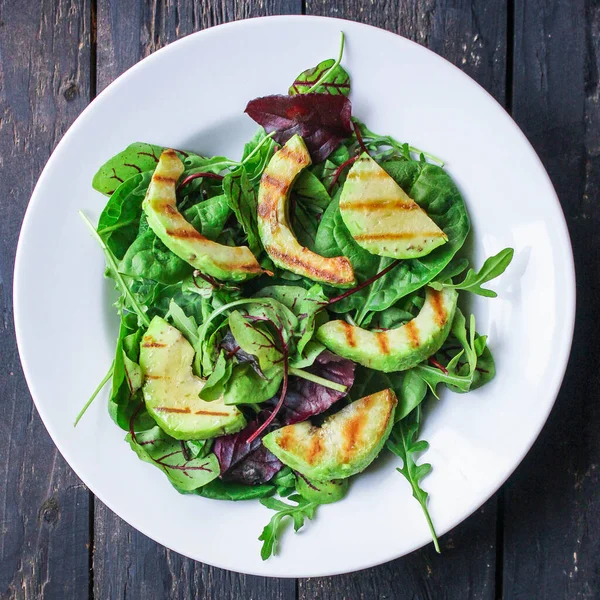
[
  {"x": 257, "y": 153},
  {"x": 231, "y": 490},
  {"x": 157, "y": 448},
  {"x": 309, "y": 199},
  {"x": 493, "y": 267},
  {"x": 125, "y": 395},
  {"x": 119, "y": 221},
  {"x": 246, "y": 386},
  {"x": 242, "y": 199},
  {"x": 215, "y": 384},
  {"x": 404, "y": 443},
  {"x": 302, "y": 510}
]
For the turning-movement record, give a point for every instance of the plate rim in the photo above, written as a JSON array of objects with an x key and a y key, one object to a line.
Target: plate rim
[{"x": 569, "y": 293}]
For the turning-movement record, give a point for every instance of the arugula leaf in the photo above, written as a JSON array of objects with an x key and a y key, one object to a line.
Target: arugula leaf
[
  {"x": 157, "y": 448},
  {"x": 95, "y": 393},
  {"x": 257, "y": 153},
  {"x": 404, "y": 443},
  {"x": 272, "y": 532},
  {"x": 493, "y": 267},
  {"x": 186, "y": 325},
  {"x": 217, "y": 380}
]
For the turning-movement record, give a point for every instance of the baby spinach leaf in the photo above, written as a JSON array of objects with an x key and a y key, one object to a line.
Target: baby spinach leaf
[
  {"x": 404, "y": 443},
  {"x": 309, "y": 199},
  {"x": 119, "y": 221},
  {"x": 215, "y": 384},
  {"x": 230, "y": 490},
  {"x": 322, "y": 120},
  {"x": 302, "y": 510},
  {"x": 493, "y": 267},
  {"x": 246, "y": 386},
  {"x": 198, "y": 448},
  {"x": 329, "y": 76},
  {"x": 134, "y": 160},
  {"x": 242, "y": 199},
  {"x": 157, "y": 448}
]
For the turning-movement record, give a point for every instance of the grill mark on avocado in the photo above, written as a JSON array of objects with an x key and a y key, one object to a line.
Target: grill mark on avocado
[
  {"x": 185, "y": 233},
  {"x": 274, "y": 182},
  {"x": 351, "y": 434},
  {"x": 339, "y": 264},
  {"x": 286, "y": 439},
  {"x": 212, "y": 413},
  {"x": 379, "y": 205},
  {"x": 437, "y": 304},
  {"x": 169, "y": 209},
  {"x": 150, "y": 342},
  {"x": 171, "y": 153},
  {"x": 163, "y": 179},
  {"x": 383, "y": 342},
  {"x": 289, "y": 154},
  {"x": 168, "y": 409},
  {"x": 349, "y": 334},
  {"x": 267, "y": 206},
  {"x": 413, "y": 334},
  {"x": 315, "y": 448},
  {"x": 405, "y": 235}
]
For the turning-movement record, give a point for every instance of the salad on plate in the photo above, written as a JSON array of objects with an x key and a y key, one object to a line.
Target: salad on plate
[{"x": 284, "y": 316}]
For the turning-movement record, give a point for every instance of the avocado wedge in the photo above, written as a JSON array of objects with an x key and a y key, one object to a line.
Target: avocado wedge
[
  {"x": 230, "y": 263},
  {"x": 382, "y": 218},
  {"x": 171, "y": 389},
  {"x": 273, "y": 223},
  {"x": 400, "y": 348},
  {"x": 344, "y": 445}
]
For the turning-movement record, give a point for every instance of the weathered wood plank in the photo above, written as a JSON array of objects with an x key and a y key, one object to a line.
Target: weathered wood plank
[
  {"x": 44, "y": 509},
  {"x": 551, "y": 507},
  {"x": 126, "y": 563},
  {"x": 472, "y": 35}
]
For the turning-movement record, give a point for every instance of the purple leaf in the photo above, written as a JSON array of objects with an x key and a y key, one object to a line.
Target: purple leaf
[
  {"x": 232, "y": 348},
  {"x": 243, "y": 462},
  {"x": 305, "y": 399},
  {"x": 322, "y": 120}
]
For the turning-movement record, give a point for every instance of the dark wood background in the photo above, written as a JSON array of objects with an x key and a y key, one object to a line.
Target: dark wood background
[{"x": 538, "y": 537}]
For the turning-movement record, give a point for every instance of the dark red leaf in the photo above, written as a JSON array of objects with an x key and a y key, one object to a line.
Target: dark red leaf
[
  {"x": 322, "y": 120},
  {"x": 305, "y": 399},
  {"x": 243, "y": 462}
]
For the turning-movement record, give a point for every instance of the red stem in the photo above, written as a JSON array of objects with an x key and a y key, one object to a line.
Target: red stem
[
  {"x": 197, "y": 176},
  {"x": 339, "y": 170},
  {"x": 364, "y": 284},
  {"x": 281, "y": 396},
  {"x": 359, "y": 138},
  {"x": 439, "y": 365}
]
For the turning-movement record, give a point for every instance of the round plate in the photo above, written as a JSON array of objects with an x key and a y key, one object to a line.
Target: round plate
[{"x": 192, "y": 94}]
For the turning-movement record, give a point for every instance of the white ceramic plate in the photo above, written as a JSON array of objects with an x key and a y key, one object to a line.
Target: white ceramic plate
[{"x": 192, "y": 95}]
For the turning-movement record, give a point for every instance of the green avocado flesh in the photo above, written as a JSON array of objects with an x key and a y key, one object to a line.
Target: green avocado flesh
[
  {"x": 400, "y": 348},
  {"x": 231, "y": 263},
  {"x": 382, "y": 218},
  {"x": 344, "y": 445},
  {"x": 274, "y": 228},
  {"x": 321, "y": 492},
  {"x": 171, "y": 389}
]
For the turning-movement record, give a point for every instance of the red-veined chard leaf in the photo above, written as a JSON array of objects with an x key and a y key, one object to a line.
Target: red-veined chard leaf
[
  {"x": 333, "y": 79},
  {"x": 322, "y": 120}
]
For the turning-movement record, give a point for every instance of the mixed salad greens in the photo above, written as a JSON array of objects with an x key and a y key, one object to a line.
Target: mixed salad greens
[{"x": 284, "y": 316}]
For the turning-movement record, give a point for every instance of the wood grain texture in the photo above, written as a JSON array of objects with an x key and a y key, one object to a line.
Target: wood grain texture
[
  {"x": 44, "y": 509},
  {"x": 126, "y": 563},
  {"x": 553, "y": 500},
  {"x": 472, "y": 35}
]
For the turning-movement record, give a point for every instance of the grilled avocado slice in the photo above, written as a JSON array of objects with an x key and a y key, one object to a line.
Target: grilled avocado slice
[
  {"x": 231, "y": 263},
  {"x": 382, "y": 218},
  {"x": 273, "y": 223},
  {"x": 171, "y": 389},
  {"x": 344, "y": 445},
  {"x": 321, "y": 492},
  {"x": 400, "y": 348}
]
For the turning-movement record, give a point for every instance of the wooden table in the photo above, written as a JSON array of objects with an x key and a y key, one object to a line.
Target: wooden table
[{"x": 537, "y": 538}]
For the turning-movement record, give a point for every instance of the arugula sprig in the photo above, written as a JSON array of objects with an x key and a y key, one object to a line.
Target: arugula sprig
[
  {"x": 404, "y": 443},
  {"x": 272, "y": 532},
  {"x": 493, "y": 267}
]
